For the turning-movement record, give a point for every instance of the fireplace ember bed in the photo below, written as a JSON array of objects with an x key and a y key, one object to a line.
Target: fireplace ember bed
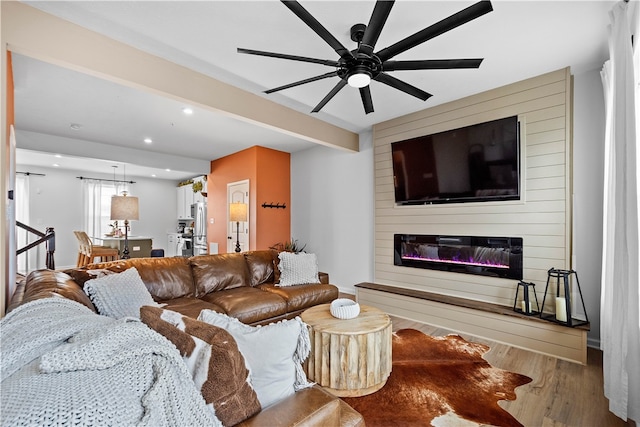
[{"x": 486, "y": 256}]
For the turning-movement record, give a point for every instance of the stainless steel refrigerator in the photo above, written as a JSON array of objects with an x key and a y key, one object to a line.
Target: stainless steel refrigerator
[{"x": 199, "y": 239}]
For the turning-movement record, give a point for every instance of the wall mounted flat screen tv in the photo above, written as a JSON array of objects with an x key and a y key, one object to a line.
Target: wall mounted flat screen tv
[{"x": 472, "y": 164}]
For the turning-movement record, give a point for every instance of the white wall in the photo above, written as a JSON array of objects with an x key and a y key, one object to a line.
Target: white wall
[
  {"x": 332, "y": 210},
  {"x": 56, "y": 201},
  {"x": 588, "y": 182}
]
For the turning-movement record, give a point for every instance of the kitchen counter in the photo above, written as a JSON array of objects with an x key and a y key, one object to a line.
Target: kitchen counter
[
  {"x": 107, "y": 238},
  {"x": 139, "y": 246}
]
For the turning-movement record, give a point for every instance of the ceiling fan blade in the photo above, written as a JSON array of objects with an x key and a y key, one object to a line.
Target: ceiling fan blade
[
  {"x": 447, "y": 24},
  {"x": 404, "y": 87},
  {"x": 376, "y": 22},
  {"x": 367, "y": 102},
  {"x": 319, "y": 29},
  {"x": 328, "y": 62},
  {"x": 431, "y": 64},
  {"x": 301, "y": 82},
  {"x": 342, "y": 83}
]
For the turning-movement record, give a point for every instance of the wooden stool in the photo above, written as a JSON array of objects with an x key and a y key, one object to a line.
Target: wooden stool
[{"x": 349, "y": 357}]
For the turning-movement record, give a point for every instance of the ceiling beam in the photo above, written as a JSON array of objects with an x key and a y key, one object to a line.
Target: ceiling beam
[
  {"x": 31, "y": 32},
  {"x": 69, "y": 147}
]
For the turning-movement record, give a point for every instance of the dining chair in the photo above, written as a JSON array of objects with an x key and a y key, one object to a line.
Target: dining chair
[{"x": 87, "y": 251}]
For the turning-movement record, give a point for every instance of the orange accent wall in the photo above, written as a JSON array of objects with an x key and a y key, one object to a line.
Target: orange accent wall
[
  {"x": 273, "y": 185},
  {"x": 5, "y": 294},
  {"x": 268, "y": 172}
]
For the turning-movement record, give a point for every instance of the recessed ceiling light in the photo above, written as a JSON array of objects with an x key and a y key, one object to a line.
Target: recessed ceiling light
[
  {"x": 148, "y": 140},
  {"x": 168, "y": 170},
  {"x": 55, "y": 165},
  {"x": 75, "y": 126},
  {"x": 57, "y": 156},
  {"x": 153, "y": 175},
  {"x": 187, "y": 110}
]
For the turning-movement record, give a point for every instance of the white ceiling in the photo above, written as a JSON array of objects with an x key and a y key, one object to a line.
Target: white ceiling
[{"x": 519, "y": 39}]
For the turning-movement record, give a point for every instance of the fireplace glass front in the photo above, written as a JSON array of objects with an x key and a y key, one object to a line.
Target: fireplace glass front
[{"x": 487, "y": 256}]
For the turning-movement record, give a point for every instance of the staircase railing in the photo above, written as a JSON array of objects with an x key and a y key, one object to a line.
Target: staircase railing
[{"x": 48, "y": 238}]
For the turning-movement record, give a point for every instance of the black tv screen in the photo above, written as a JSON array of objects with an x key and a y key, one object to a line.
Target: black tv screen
[{"x": 470, "y": 164}]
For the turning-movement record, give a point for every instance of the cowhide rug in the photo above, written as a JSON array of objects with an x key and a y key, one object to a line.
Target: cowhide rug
[{"x": 440, "y": 381}]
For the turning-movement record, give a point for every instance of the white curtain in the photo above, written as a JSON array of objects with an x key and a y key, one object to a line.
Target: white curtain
[
  {"x": 22, "y": 214},
  {"x": 97, "y": 204},
  {"x": 620, "y": 298}
]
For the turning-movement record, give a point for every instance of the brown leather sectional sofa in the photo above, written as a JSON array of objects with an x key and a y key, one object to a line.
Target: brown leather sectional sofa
[{"x": 241, "y": 285}]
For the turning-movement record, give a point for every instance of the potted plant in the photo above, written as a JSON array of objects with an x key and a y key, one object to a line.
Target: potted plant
[{"x": 289, "y": 246}]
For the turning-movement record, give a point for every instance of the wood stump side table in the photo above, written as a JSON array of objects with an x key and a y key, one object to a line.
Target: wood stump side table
[{"x": 349, "y": 357}]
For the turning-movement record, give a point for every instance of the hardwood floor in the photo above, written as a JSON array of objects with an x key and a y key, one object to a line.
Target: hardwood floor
[{"x": 561, "y": 393}]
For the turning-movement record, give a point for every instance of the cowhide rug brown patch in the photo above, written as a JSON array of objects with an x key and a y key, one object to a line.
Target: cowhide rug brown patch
[{"x": 440, "y": 381}]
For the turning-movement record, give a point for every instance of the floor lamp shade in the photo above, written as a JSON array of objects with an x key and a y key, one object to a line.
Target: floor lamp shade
[
  {"x": 124, "y": 208},
  {"x": 238, "y": 212}
]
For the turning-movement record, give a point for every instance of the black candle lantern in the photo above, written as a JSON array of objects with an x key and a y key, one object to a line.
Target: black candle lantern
[
  {"x": 563, "y": 303},
  {"x": 524, "y": 304}
]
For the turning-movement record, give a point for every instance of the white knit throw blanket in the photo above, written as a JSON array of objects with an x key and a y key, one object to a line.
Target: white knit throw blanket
[{"x": 61, "y": 364}]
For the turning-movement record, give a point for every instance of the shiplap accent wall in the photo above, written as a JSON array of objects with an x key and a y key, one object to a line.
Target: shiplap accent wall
[{"x": 542, "y": 217}]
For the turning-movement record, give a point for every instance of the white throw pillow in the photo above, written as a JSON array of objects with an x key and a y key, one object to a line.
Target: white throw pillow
[
  {"x": 119, "y": 295},
  {"x": 297, "y": 269},
  {"x": 273, "y": 353}
]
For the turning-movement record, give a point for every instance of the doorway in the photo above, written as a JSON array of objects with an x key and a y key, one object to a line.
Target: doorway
[{"x": 238, "y": 192}]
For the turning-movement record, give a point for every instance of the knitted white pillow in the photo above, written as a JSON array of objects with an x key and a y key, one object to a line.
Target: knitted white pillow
[
  {"x": 273, "y": 354},
  {"x": 297, "y": 269},
  {"x": 119, "y": 295}
]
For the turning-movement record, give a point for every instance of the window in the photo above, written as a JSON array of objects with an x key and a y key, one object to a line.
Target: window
[{"x": 97, "y": 205}]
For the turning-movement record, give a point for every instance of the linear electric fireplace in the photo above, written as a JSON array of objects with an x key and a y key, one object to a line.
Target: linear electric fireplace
[{"x": 487, "y": 256}]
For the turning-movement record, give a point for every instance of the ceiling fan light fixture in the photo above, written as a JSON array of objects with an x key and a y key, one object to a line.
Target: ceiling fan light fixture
[
  {"x": 359, "y": 79},
  {"x": 359, "y": 66}
]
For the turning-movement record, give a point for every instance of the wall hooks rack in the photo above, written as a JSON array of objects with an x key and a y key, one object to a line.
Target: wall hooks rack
[{"x": 276, "y": 206}]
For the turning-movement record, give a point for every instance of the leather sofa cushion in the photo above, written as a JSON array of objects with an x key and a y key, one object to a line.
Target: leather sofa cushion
[
  {"x": 165, "y": 278},
  {"x": 191, "y": 306},
  {"x": 261, "y": 264},
  {"x": 248, "y": 304},
  {"x": 212, "y": 273},
  {"x": 299, "y": 297}
]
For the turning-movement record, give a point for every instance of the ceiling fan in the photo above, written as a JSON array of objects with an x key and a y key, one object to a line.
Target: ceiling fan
[{"x": 359, "y": 66}]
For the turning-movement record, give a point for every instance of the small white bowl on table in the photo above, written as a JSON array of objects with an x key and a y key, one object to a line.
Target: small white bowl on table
[{"x": 344, "y": 308}]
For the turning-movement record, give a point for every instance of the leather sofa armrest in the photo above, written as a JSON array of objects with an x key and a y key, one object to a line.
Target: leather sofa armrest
[
  {"x": 17, "y": 297},
  {"x": 309, "y": 407},
  {"x": 349, "y": 417},
  {"x": 324, "y": 277},
  {"x": 49, "y": 283}
]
